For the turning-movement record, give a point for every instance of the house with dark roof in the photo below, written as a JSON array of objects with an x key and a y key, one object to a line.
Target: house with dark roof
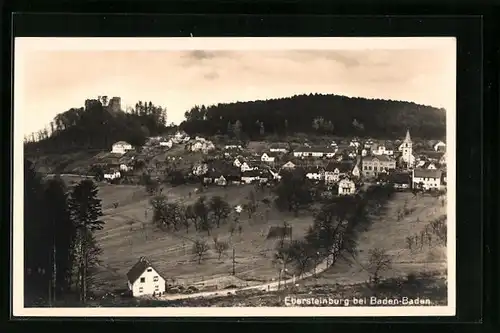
[
  {"x": 335, "y": 170},
  {"x": 250, "y": 176},
  {"x": 426, "y": 179},
  {"x": 144, "y": 279},
  {"x": 314, "y": 172},
  {"x": 279, "y": 147},
  {"x": 121, "y": 147},
  {"x": 400, "y": 180}
]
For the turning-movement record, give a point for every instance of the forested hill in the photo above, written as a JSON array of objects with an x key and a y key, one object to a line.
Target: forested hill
[
  {"x": 316, "y": 113},
  {"x": 97, "y": 126}
]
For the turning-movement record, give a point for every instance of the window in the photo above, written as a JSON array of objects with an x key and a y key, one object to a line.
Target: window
[
  {"x": 143, "y": 279},
  {"x": 141, "y": 290},
  {"x": 150, "y": 269},
  {"x": 157, "y": 288},
  {"x": 155, "y": 279}
]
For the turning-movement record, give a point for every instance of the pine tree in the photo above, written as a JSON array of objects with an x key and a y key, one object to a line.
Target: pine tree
[{"x": 85, "y": 211}]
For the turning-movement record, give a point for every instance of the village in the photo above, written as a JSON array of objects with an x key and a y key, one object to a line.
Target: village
[
  {"x": 342, "y": 164},
  {"x": 343, "y": 167}
]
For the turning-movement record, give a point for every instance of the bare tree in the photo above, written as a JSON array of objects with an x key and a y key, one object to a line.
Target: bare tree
[
  {"x": 378, "y": 262},
  {"x": 219, "y": 208},
  {"x": 301, "y": 254},
  {"x": 220, "y": 247},
  {"x": 200, "y": 249}
]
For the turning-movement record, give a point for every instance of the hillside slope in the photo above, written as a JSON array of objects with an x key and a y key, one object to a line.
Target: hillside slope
[{"x": 96, "y": 127}]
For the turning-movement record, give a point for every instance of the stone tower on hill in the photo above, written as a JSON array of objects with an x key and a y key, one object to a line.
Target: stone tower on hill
[{"x": 115, "y": 104}]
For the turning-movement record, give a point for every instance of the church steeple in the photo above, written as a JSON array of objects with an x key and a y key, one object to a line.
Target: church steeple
[{"x": 407, "y": 138}]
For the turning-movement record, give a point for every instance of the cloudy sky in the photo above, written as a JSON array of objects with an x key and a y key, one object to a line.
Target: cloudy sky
[{"x": 51, "y": 80}]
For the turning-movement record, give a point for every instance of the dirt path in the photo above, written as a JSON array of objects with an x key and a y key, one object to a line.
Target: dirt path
[{"x": 273, "y": 286}]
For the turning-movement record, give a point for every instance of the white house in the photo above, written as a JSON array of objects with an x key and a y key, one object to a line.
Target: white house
[
  {"x": 334, "y": 170},
  {"x": 237, "y": 163},
  {"x": 268, "y": 157},
  {"x": 250, "y": 176},
  {"x": 354, "y": 143},
  {"x": 202, "y": 145},
  {"x": 125, "y": 167},
  {"x": 356, "y": 172},
  {"x": 426, "y": 179},
  {"x": 442, "y": 160},
  {"x": 233, "y": 147},
  {"x": 346, "y": 187},
  {"x": 314, "y": 173},
  {"x": 144, "y": 279},
  {"x": 245, "y": 166},
  {"x": 288, "y": 165},
  {"x": 121, "y": 147},
  {"x": 279, "y": 148},
  {"x": 167, "y": 144},
  {"x": 439, "y": 146},
  {"x": 200, "y": 169},
  {"x": 110, "y": 175},
  {"x": 382, "y": 150}
]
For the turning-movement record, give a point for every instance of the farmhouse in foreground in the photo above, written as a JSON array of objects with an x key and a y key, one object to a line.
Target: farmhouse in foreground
[{"x": 144, "y": 279}]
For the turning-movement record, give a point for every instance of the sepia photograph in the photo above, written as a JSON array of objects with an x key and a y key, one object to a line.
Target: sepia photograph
[{"x": 234, "y": 177}]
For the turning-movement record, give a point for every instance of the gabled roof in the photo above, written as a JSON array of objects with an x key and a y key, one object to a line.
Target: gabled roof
[
  {"x": 433, "y": 154},
  {"x": 136, "y": 271},
  {"x": 121, "y": 143},
  {"x": 312, "y": 169},
  {"x": 279, "y": 145},
  {"x": 342, "y": 166},
  {"x": 315, "y": 150},
  {"x": 399, "y": 177},
  {"x": 250, "y": 173},
  {"x": 270, "y": 154},
  {"x": 382, "y": 158},
  {"x": 427, "y": 173}
]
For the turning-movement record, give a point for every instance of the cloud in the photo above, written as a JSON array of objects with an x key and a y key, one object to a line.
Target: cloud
[{"x": 211, "y": 76}]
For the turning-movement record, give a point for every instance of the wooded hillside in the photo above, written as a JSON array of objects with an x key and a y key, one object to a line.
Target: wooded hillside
[{"x": 316, "y": 113}]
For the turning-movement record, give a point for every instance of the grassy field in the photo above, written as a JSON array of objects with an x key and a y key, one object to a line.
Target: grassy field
[
  {"x": 128, "y": 235},
  {"x": 386, "y": 232}
]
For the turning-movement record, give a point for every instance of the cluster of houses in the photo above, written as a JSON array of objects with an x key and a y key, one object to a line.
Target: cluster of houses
[{"x": 340, "y": 164}]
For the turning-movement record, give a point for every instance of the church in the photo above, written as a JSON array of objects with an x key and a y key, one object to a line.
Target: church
[{"x": 406, "y": 149}]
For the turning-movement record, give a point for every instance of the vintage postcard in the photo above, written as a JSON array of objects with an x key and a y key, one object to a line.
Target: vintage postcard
[{"x": 173, "y": 177}]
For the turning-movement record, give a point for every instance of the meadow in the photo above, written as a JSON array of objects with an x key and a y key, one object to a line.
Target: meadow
[{"x": 129, "y": 234}]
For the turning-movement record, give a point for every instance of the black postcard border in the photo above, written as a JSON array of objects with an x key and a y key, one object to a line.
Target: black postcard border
[{"x": 470, "y": 115}]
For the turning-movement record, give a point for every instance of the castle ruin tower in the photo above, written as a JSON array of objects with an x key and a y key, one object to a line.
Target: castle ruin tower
[
  {"x": 115, "y": 104},
  {"x": 407, "y": 149}
]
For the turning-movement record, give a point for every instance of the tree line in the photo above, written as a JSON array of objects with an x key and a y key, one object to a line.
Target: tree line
[
  {"x": 317, "y": 114},
  {"x": 95, "y": 126},
  {"x": 60, "y": 249}
]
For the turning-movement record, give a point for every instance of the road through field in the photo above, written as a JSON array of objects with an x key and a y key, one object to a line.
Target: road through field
[{"x": 273, "y": 286}]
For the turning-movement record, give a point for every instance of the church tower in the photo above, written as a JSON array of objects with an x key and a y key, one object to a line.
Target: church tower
[{"x": 407, "y": 149}]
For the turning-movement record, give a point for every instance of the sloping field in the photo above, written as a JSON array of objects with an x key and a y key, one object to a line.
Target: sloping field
[
  {"x": 390, "y": 234},
  {"x": 128, "y": 235}
]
